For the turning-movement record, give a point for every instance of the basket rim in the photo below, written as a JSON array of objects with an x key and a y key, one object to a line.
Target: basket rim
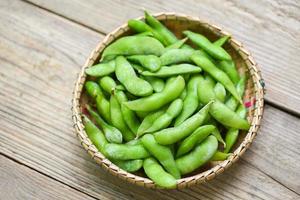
[{"x": 209, "y": 174}]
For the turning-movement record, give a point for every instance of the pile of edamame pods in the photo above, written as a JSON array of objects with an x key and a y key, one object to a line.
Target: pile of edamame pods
[{"x": 159, "y": 105}]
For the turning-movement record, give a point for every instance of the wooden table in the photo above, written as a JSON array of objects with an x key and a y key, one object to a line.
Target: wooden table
[{"x": 43, "y": 45}]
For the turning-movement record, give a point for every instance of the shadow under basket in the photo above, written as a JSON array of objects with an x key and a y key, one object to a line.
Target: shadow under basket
[{"x": 253, "y": 99}]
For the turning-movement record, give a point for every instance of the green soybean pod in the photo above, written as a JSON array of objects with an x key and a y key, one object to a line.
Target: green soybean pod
[
  {"x": 117, "y": 119},
  {"x": 148, "y": 121},
  {"x": 162, "y": 153},
  {"x": 232, "y": 133},
  {"x": 199, "y": 156},
  {"x": 222, "y": 40},
  {"x": 216, "y": 73},
  {"x": 190, "y": 102},
  {"x": 127, "y": 76},
  {"x": 149, "y": 62},
  {"x": 141, "y": 114},
  {"x": 229, "y": 68},
  {"x": 103, "y": 107},
  {"x": 165, "y": 120},
  {"x": 174, "y": 134},
  {"x": 213, "y": 50},
  {"x": 129, "y": 165},
  {"x": 220, "y": 156},
  {"x": 93, "y": 89},
  {"x": 216, "y": 132},
  {"x": 126, "y": 152},
  {"x": 157, "y": 174},
  {"x": 174, "y": 70},
  {"x": 158, "y": 84},
  {"x": 183, "y": 94},
  {"x": 177, "y": 44},
  {"x": 206, "y": 89},
  {"x": 133, "y": 45},
  {"x": 220, "y": 92},
  {"x": 227, "y": 117},
  {"x": 195, "y": 138},
  {"x": 139, "y": 69},
  {"x": 134, "y": 142},
  {"x": 232, "y": 103},
  {"x": 101, "y": 69},
  {"x": 141, "y": 27},
  {"x": 96, "y": 136},
  {"x": 112, "y": 134},
  {"x": 174, "y": 56},
  {"x": 172, "y": 90},
  {"x": 147, "y": 33},
  {"x": 169, "y": 37},
  {"x": 109, "y": 85}
]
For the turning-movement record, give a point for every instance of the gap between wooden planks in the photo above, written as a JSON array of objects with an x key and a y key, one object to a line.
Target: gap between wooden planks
[
  {"x": 45, "y": 52},
  {"x": 269, "y": 29}
]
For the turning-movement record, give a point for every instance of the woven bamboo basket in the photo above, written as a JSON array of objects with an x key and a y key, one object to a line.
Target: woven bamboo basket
[{"x": 253, "y": 98}]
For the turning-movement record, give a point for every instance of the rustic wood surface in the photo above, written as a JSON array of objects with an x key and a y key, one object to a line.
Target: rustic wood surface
[{"x": 43, "y": 45}]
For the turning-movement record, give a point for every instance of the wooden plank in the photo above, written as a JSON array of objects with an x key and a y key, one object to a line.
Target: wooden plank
[
  {"x": 20, "y": 182},
  {"x": 44, "y": 52},
  {"x": 260, "y": 25}
]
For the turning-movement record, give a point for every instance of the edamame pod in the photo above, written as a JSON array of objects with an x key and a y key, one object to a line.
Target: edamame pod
[
  {"x": 232, "y": 133},
  {"x": 150, "y": 62},
  {"x": 220, "y": 156},
  {"x": 101, "y": 69},
  {"x": 158, "y": 84},
  {"x": 177, "y": 44},
  {"x": 126, "y": 152},
  {"x": 216, "y": 73},
  {"x": 222, "y": 40},
  {"x": 93, "y": 89},
  {"x": 228, "y": 67},
  {"x": 112, "y": 134},
  {"x": 227, "y": 117},
  {"x": 199, "y": 156},
  {"x": 127, "y": 76},
  {"x": 206, "y": 89},
  {"x": 165, "y": 120},
  {"x": 213, "y": 50},
  {"x": 108, "y": 84},
  {"x": 172, "y": 90},
  {"x": 137, "y": 67},
  {"x": 162, "y": 153},
  {"x": 195, "y": 138},
  {"x": 174, "y": 56},
  {"x": 147, "y": 33},
  {"x": 190, "y": 102},
  {"x": 168, "y": 36},
  {"x": 117, "y": 119},
  {"x": 173, "y": 70},
  {"x": 141, "y": 27},
  {"x": 129, "y": 165},
  {"x": 103, "y": 107},
  {"x": 232, "y": 103},
  {"x": 96, "y": 136},
  {"x": 174, "y": 134},
  {"x": 133, "y": 45},
  {"x": 220, "y": 92},
  {"x": 148, "y": 121},
  {"x": 157, "y": 174}
]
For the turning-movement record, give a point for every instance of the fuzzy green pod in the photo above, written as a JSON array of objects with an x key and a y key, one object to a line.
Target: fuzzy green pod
[
  {"x": 220, "y": 92},
  {"x": 101, "y": 69},
  {"x": 174, "y": 56},
  {"x": 149, "y": 62},
  {"x": 165, "y": 120},
  {"x": 222, "y": 40},
  {"x": 126, "y": 152},
  {"x": 220, "y": 156},
  {"x": 133, "y": 45},
  {"x": 174, "y": 70},
  {"x": 232, "y": 103},
  {"x": 127, "y": 76},
  {"x": 199, "y": 156},
  {"x": 158, "y": 175},
  {"x": 162, "y": 153},
  {"x": 172, "y": 90},
  {"x": 129, "y": 165},
  {"x": 93, "y": 89},
  {"x": 158, "y": 84},
  {"x": 174, "y": 134},
  {"x": 190, "y": 102}
]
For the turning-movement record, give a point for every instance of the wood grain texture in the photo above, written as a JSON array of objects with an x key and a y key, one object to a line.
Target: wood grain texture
[
  {"x": 19, "y": 182},
  {"x": 269, "y": 29},
  {"x": 41, "y": 54}
]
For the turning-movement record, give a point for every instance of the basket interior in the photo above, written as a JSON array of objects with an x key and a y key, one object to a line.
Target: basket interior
[{"x": 177, "y": 24}]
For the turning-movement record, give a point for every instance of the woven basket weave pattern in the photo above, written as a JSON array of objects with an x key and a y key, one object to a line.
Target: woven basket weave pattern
[{"x": 244, "y": 62}]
